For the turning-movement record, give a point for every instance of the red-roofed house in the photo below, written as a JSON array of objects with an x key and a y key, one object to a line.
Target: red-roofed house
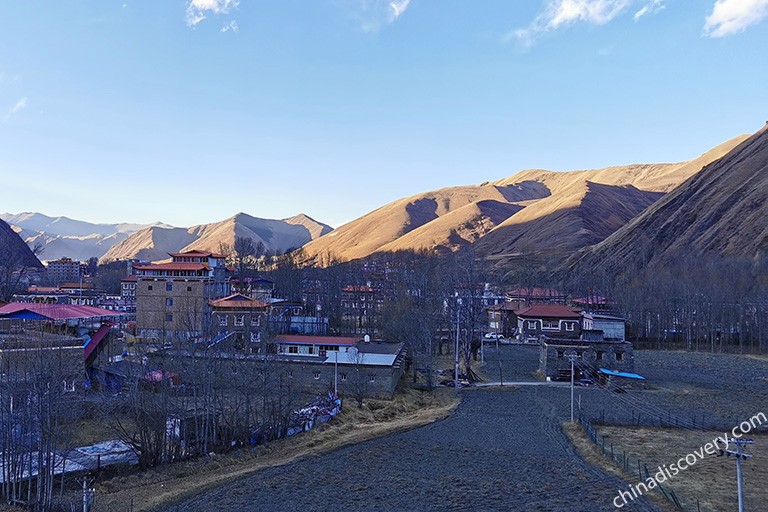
[{"x": 551, "y": 320}]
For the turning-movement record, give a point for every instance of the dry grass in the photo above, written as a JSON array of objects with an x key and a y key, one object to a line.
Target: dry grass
[
  {"x": 161, "y": 487},
  {"x": 592, "y": 454},
  {"x": 712, "y": 480}
]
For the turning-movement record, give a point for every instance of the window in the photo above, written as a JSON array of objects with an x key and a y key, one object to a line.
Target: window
[
  {"x": 569, "y": 326},
  {"x": 69, "y": 385},
  {"x": 255, "y": 337},
  {"x": 255, "y": 321},
  {"x": 169, "y": 317},
  {"x": 189, "y": 288},
  {"x": 371, "y": 377},
  {"x": 149, "y": 287},
  {"x": 238, "y": 320},
  {"x": 599, "y": 355},
  {"x": 560, "y": 354},
  {"x": 552, "y": 325},
  {"x": 222, "y": 320},
  {"x": 531, "y": 324},
  {"x": 293, "y": 349},
  {"x": 619, "y": 356},
  {"x": 168, "y": 302},
  {"x": 169, "y": 286},
  {"x": 316, "y": 375},
  {"x": 343, "y": 376}
]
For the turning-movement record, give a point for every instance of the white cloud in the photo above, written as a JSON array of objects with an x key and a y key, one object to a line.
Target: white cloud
[
  {"x": 19, "y": 106},
  {"x": 375, "y": 14},
  {"x": 198, "y": 9},
  {"x": 558, "y": 13},
  {"x": 652, "y": 7},
  {"x": 232, "y": 25},
  {"x": 734, "y": 16}
]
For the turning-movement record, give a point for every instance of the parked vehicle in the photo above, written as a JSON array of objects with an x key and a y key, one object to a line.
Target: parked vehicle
[{"x": 493, "y": 336}]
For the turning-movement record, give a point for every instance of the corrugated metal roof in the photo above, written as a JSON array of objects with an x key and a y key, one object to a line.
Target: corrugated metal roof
[{"x": 56, "y": 311}]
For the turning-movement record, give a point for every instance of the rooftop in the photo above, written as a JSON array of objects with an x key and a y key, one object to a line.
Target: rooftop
[{"x": 548, "y": 311}]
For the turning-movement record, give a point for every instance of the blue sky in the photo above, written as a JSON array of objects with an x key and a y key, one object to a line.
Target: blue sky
[{"x": 188, "y": 112}]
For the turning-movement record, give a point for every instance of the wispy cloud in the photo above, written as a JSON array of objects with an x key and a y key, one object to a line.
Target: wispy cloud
[
  {"x": 375, "y": 14},
  {"x": 652, "y": 7},
  {"x": 733, "y": 16},
  {"x": 559, "y": 13},
  {"x": 18, "y": 107},
  {"x": 231, "y": 26},
  {"x": 197, "y": 10}
]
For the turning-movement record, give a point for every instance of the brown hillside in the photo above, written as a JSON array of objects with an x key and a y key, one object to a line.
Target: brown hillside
[
  {"x": 155, "y": 243},
  {"x": 450, "y": 218},
  {"x": 720, "y": 210}
]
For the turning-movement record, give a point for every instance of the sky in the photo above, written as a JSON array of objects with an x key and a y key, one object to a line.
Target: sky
[{"x": 190, "y": 111}]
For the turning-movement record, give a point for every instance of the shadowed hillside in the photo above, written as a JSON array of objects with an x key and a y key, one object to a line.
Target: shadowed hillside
[
  {"x": 533, "y": 210},
  {"x": 721, "y": 210}
]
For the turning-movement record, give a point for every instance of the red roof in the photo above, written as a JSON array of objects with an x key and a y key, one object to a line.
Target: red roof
[
  {"x": 43, "y": 289},
  {"x": 173, "y": 266},
  {"x": 130, "y": 279},
  {"x": 316, "y": 340},
  {"x": 548, "y": 311},
  {"x": 195, "y": 254},
  {"x": 56, "y": 311},
  {"x": 238, "y": 300}
]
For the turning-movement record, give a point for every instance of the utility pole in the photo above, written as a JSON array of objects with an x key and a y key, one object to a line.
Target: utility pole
[
  {"x": 336, "y": 373},
  {"x": 571, "y": 358},
  {"x": 89, "y": 493},
  {"x": 456, "y": 362},
  {"x": 739, "y": 454}
]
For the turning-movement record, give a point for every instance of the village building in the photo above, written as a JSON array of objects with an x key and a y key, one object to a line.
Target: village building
[
  {"x": 588, "y": 357},
  {"x": 362, "y": 307},
  {"x": 551, "y": 320},
  {"x": 244, "y": 316},
  {"x": 612, "y": 327},
  {"x": 63, "y": 270},
  {"x": 173, "y": 299}
]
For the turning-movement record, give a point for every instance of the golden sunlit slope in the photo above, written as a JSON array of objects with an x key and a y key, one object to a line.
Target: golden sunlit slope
[
  {"x": 370, "y": 233},
  {"x": 277, "y": 235},
  {"x": 448, "y": 219},
  {"x": 721, "y": 210}
]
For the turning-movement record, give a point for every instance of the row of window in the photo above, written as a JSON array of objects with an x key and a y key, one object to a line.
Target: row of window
[
  {"x": 550, "y": 325},
  {"x": 239, "y": 321},
  {"x": 168, "y": 287}
]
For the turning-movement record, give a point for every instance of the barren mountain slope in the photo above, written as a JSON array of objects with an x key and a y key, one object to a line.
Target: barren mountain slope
[
  {"x": 582, "y": 214},
  {"x": 277, "y": 235},
  {"x": 13, "y": 251},
  {"x": 455, "y": 229},
  {"x": 424, "y": 220},
  {"x": 374, "y": 230},
  {"x": 721, "y": 210}
]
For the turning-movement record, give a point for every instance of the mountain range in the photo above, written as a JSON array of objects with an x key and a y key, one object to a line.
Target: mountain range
[
  {"x": 721, "y": 210},
  {"x": 155, "y": 242},
  {"x": 532, "y": 211}
]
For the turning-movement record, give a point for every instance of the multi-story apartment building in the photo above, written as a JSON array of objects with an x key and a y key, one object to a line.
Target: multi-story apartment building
[
  {"x": 173, "y": 299},
  {"x": 362, "y": 307},
  {"x": 63, "y": 271}
]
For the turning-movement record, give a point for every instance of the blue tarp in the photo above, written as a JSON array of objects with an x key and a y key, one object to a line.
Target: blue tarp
[{"x": 627, "y": 375}]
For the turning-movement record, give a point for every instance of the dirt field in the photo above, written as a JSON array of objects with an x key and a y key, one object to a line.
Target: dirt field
[{"x": 157, "y": 488}]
